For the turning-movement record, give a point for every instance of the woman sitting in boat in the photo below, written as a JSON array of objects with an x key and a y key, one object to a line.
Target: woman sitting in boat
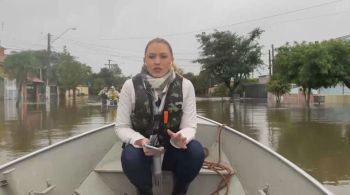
[
  {"x": 158, "y": 107},
  {"x": 113, "y": 96}
]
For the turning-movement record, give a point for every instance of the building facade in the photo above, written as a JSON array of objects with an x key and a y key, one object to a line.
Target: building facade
[{"x": 8, "y": 89}]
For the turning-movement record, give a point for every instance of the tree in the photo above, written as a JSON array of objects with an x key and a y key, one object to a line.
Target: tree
[
  {"x": 201, "y": 82},
  {"x": 18, "y": 65},
  {"x": 2, "y": 71},
  {"x": 97, "y": 85},
  {"x": 278, "y": 87},
  {"x": 71, "y": 73},
  {"x": 230, "y": 57},
  {"x": 107, "y": 77},
  {"x": 194, "y": 80},
  {"x": 116, "y": 70},
  {"x": 309, "y": 65},
  {"x": 340, "y": 52}
]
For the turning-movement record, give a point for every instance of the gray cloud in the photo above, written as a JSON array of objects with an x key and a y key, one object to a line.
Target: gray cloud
[{"x": 119, "y": 30}]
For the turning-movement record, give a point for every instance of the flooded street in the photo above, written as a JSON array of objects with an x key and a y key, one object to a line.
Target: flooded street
[
  {"x": 38, "y": 125},
  {"x": 317, "y": 140}
]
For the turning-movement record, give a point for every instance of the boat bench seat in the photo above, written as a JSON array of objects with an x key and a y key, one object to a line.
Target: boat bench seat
[
  {"x": 111, "y": 162},
  {"x": 109, "y": 172}
]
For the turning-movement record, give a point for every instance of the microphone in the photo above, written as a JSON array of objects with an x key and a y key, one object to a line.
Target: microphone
[{"x": 158, "y": 102}]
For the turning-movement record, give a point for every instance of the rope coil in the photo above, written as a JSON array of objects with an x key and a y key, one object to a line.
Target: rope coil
[{"x": 225, "y": 172}]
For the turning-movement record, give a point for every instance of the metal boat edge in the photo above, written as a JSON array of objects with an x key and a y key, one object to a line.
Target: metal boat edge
[
  {"x": 47, "y": 148},
  {"x": 278, "y": 156}
]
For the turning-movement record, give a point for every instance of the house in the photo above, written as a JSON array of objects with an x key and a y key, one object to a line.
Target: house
[
  {"x": 2, "y": 72},
  {"x": 2, "y": 53},
  {"x": 7, "y": 86},
  {"x": 81, "y": 90},
  {"x": 346, "y": 37},
  {"x": 31, "y": 90},
  {"x": 263, "y": 79}
]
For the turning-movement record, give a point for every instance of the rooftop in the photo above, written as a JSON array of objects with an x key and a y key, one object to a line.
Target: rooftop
[{"x": 345, "y": 37}]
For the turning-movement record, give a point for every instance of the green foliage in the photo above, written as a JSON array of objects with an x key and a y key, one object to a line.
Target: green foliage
[
  {"x": 97, "y": 85},
  {"x": 314, "y": 65},
  {"x": 107, "y": 78},
  {"x": 2, "y": 71},
  {"x": 107, "y": 75},
  {"x": 340, "y": 52},
  {"x": 18, "y": 65},
  {"x": 220, "y": 91},
  {"x": 201, "y": 82},
  {"x": 228, "y": 56},
  {"x": 116, "y": 70},
  {"x": 250, "y": 81},
  {"x": 71, "y": 73},
  {"x": 278, "y": 87},
  {"x": 64, "y": 69}
]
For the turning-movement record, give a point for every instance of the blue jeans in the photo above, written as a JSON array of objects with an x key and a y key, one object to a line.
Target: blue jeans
[{"x": 184, "y": 163}]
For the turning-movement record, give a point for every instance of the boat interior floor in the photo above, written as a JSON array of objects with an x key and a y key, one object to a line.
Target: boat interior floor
[{"x": 108, "y": 178}]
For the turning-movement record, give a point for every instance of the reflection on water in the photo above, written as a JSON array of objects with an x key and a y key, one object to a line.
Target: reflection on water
[
  {"x": 317, "y": 140},
  {"x": 34, "y": 126}
]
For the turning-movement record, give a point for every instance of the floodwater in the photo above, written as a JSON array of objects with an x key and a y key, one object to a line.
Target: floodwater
[{"x": 317, "y": 140}]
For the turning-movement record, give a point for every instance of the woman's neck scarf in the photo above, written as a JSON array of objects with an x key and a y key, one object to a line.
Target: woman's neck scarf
[{"x": 158, "y": 85}]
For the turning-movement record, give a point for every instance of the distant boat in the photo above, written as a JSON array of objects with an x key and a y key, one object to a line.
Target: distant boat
[
  {"x": 89, "y": 164},
  {"x": 112, "y": 104}
]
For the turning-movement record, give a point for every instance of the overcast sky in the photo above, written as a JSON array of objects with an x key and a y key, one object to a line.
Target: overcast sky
[{"x": 119, "y": 29}]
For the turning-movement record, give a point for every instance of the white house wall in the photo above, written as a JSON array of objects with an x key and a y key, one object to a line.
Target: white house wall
[{"x": 10, "y": 89}]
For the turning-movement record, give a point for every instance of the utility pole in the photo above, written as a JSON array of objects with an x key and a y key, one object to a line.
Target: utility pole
[
  {"x": 48, "y": 42},
  {"x": 48, "y": 70},
  {"x": 270, "y": 63},
  {"x": 47, "y": 94},
  {"x": 109, "y": 64},
  {"x": 272, "y": 57}
]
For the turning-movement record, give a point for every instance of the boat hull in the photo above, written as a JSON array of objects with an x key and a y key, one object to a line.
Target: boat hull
[
  {"x": 73, "y": 166},
  {"x": 63, "y": 166},
  {"x": 259, "y": 169}
]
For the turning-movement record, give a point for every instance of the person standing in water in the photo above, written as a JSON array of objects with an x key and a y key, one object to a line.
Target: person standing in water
[
  {"x": 103, "y": 95},
  {"x": 113, "y": 96}
]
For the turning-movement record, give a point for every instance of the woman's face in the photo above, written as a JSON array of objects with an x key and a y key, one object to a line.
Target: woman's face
[{"x": 158, "y": 59}]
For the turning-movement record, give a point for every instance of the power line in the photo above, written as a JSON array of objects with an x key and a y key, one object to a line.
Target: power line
[
  {"x": 110, "y": 65},
  {"x": 312, "y": 17},
  {"x": 233, "y": 24},
  {"x": 120, "y": 54},
  {"x": 103, "y": 47},
  {"x": 281, "y": 14}
]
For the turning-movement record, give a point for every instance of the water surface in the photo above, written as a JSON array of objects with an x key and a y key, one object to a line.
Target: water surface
[{"x": 317, "y": 140}]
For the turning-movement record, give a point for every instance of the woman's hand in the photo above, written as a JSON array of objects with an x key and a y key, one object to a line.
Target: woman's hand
[
  {"x": 147, "y": 151},
  {"x": 177, "y": 139}
]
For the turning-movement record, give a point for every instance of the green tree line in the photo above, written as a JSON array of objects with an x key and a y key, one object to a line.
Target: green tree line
[
  {"x": 228, "y": 60},
  {"x": 311, "y": 66},
  {"x": 64, "y": 70}
]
